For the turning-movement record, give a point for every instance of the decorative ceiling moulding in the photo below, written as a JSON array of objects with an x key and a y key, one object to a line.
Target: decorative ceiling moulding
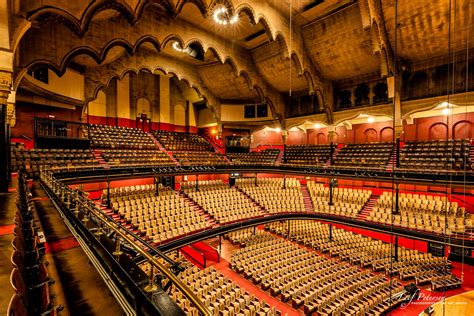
[
  {"x": 88, "y": 36},
  {"x": 99, "y": 77},
  {"x": 459, "y": 100},
  {"x": 350, "y": 114}
]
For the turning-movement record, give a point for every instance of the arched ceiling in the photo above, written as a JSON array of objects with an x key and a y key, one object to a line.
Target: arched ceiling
[
  {"x": 271, "y": 50},
  {"x": 340, "y": 46},
  {"x": 425, "y": 28}
]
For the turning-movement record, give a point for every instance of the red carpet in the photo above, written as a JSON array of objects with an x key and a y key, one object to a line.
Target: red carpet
[
  {"x": 6, "y": 230},
  {"x": 61, "y": 245},
  {"x": 223, "y": 267},
  {"x": 40, "y": 199},
  {"x": 95, "y": 195}
]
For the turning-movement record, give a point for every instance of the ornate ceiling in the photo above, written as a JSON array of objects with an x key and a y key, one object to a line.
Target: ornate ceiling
[{"x": 275, "y": 46}]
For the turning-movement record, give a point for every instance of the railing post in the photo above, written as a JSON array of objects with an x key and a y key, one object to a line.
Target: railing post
[
  {"x": 108, "y": 194},
  {"x": 396, "y": 248},
  {"x": 397, "y": 208},
  {"x": 151, "y": 286},
  {"x": 331, "y": 186},
  {"x": 117, "y": 251}
]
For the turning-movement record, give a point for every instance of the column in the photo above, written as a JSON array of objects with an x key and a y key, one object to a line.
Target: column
[
  {"x": 5, "y": 85},
  {"x": 331, "y": 133}
]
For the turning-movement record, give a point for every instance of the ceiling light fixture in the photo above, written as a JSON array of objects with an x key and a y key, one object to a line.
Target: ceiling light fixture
[
  {"x": 446, "y": 111},
  {"x": 222, "y": 16},
  {"x": 370, "y": 120},
  {"x": 317, "y": 125},
  {"x": 278, "y": 130}
]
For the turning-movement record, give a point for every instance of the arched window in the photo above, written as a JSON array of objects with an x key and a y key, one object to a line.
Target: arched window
[
  {"x": 362, "y": 95},
  {"x": 418, "y": 86},
  {"x": 380, "y": 93},
  {"x": 345, "y": 99}
]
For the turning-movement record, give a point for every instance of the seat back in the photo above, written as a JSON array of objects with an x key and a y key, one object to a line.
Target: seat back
[{"x": 16, "y": 307}]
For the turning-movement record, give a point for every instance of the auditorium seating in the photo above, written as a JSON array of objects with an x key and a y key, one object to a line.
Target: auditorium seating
[
  {"x": 304, "y": 278},
  {"x": 220, "y": 295},
  {"x": 187, "y": 158},
  {"x": 31, "y": 160},
  {"x": 137, "y": 157},
  {"x": 176, "y": 141},
  {"x": 160, "y": 217},
  {"x": 223, "y": 203},
  {"x": 244, "y": 236},
  {"x": 452, "y": 154},
  {"x": 422, "y": 212},
  {"x": 29, "y": 278},
  {"x": 118, "y": 137},
  {"x": 276, "y": 195},
  {"x": 264, "y": 157},
  {"x": 367, "y": 155},
  {"x": 312, "y": 155},
  {"x": 369, "y": 253},
  {"x": 346, "y": 201}
]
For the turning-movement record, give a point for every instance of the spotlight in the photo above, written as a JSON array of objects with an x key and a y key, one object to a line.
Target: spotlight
[
  {"x": 278, "y": 130},
  {"x": 370, "y": 120},
  {"x": 317, "y": 125},
  {"x": 446, "y": 111}
]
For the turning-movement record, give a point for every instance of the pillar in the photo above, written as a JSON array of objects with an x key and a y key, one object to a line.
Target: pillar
[
  {"x": 331, "y": 133},
  {"x": 371, "y": 93},
  {"x": 5, "y": 85}
]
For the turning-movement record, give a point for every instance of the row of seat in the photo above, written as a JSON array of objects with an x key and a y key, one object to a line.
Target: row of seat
[
  {"x": 304, "y": 278},
  {"x": 31, "y": 160},
  {"x": 275, "y": 195},
  {"x": 346, "y": 201},
  {"x": 264, "y": 157},
  {"x": 365, "y": 251},
  {"x": 219, "y": 294},
  {"x": 370, "y": 155},
  {"x": 176, "y": 141},
  {"x": 306, "y": 154},
  {"x": 120, "y": 157},
  {"x": 209, "y": 158},
  {"x": 453, "y": 154},
  {"x": 30, "y": 278},
  {"x": 223, "y": 203},
  {"x": 434, "y": 214},
  {"x": 118, "y": 137},
  {"x": 159, "y": 217}
]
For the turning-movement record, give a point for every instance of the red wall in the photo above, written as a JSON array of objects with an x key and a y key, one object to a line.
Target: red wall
[
  {"x": 297, "y": 137},
  {"x": 266, "y": 138},
  {"x": 440, "y": 127},
  {"x": 26, "y": 112}
]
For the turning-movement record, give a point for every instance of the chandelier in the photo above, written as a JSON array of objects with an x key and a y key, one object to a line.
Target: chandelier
[{"x": 222, "y": 16}]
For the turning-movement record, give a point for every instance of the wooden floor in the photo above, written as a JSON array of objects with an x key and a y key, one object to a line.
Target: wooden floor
[
  {"x": 459, "y": 305},
  {"x": 78, "y": 287}
]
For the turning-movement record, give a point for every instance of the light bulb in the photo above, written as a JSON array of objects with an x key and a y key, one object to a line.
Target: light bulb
[{"x": 370, "y": 120}]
